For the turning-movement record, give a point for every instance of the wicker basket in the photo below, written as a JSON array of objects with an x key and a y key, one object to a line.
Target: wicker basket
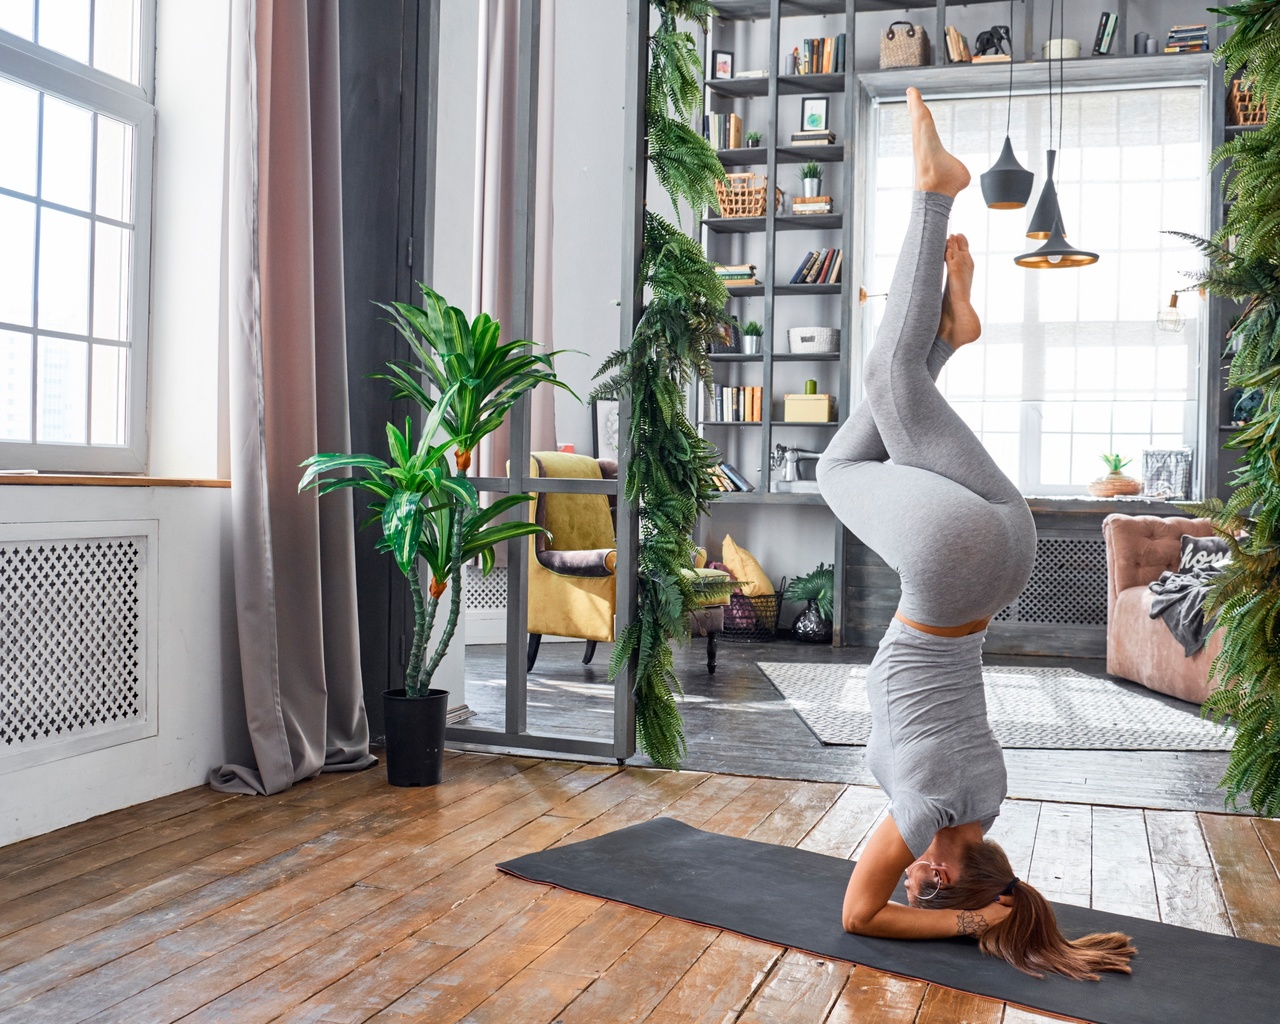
[
  {"x": 751, "y": 620},
  {"x": 904, "y": 45},
  {"x": 742, "y": 195},
  {"x": 814, "y": 340},
  {"x": 1243, "y": 106}
]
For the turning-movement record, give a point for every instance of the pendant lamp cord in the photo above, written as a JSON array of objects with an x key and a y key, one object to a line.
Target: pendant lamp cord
[
  {"x": 1008, "y": 118},
  {"x": 1062, "y": 73},
  {"x": 1052, "y": 9}
]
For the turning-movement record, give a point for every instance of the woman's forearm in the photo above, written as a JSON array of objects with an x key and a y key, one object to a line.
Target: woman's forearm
[{"x": 895, "y": 921}]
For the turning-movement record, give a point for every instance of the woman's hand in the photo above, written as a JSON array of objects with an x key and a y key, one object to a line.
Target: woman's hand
[{"x": 976, "y": 923}]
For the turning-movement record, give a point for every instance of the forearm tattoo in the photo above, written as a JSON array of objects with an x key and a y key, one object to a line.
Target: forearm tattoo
[{"x": 971, "y": 923}]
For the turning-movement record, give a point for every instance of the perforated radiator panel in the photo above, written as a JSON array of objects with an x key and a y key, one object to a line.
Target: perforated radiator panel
[
  {"x": 75, "y": 640},
  {"x": 484, "y": 593},
  {"x": 1068, "y": 585}
]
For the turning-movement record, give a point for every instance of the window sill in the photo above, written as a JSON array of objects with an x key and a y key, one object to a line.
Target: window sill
[
  {"x": 1087, "y": 504},
  {"x": 85, "y": 480}
]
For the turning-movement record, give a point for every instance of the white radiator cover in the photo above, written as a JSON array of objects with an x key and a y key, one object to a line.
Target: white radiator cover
[{"x": 78, "y": 638}]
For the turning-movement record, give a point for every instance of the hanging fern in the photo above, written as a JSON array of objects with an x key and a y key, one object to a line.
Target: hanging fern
[
  {"x": 668, "y": 468},
  {"x": 1243, "y": 265}
]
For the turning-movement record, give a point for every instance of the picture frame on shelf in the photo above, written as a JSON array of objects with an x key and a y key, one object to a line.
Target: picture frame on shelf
[
  {"x": 721, "y": 63},
  {"x": 604, "y": 429},
  {"x": 813, "y": 113}
]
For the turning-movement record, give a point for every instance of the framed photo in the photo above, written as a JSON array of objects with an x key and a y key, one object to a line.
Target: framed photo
[
  {"x": 604, "y": 429},
  {"x": 813, "y": 113},
  {"x": 721, "y": 63}
]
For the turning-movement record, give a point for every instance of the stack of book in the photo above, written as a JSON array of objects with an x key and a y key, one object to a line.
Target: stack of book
[
  {"x": 737, "y": 404},
  {"x": 957, "y": 47},
  {"x": 737, "y": 275},
  {"x": 723, "y": 131},
  {"x": 822, "y": 266},
  {"x": 728, "y": 478},
  {"x": 1106, "y": 30},
  {"x": 1187, "y": 39},
  {"x": 821, "y": 56},
  {"x": 813, "y": 138},
  {"x": 801, "y": 205}
]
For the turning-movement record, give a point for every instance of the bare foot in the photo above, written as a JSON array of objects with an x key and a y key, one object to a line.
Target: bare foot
[
  {"x": 959, "y": 324},
  {"x": 936, "y": 169}
]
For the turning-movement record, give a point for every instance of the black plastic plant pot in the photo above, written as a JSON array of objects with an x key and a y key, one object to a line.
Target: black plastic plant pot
[{"x": 415, "y": 736}]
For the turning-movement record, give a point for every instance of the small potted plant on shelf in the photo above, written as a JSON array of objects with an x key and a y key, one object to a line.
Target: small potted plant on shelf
[
  {"x": 811, "y": 178},
  {"x": 818, "y": 589},
  {"x": 1115, "y": 482},
  {"x": 751, "y": 334},
  {"x": 753, "y": 140},
  {"x": 429, "y": 511}
]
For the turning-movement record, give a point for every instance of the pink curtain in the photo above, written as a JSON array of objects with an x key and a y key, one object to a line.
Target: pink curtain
[
  {"x": 294, "y": 555},
  {"x": 497, "y": 159}
]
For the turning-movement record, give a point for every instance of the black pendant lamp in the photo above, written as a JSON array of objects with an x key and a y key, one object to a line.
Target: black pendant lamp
[
  {"x": 1046, "y": 212},
  {"x": 1007, "y": 185},
  {"x": 1056, "y": 253}
]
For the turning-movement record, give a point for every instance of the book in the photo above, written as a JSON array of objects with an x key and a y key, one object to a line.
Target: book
[
  {"x": 835, "y": 269},
  {"x": 825, "y": 269},
  {"x": 812, "y": 276},
  {"x": 828, "y": 55},
  {"x": 740, "y": 482},
  {"x": 991, "y": 58},
  {"x": 1103, "y": 22},
  {"x": 806, "y": 57},
  {"x": 957, "y": 46},
  {"x": 809, "y": 262},
  {"x": 1112, "y": 21},
  {"x": 809, "y": 211},
  {"x": 840, "y": 46},
  {"x": 795, "y": 278}
]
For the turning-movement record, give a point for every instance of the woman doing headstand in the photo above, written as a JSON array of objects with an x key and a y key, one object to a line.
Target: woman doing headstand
[{"x": 961, "y": 537}]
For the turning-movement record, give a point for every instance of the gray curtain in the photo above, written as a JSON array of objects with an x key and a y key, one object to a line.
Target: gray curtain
[
  {"x": 497, "y": 159},
  {"x": 294, "y": 555}
]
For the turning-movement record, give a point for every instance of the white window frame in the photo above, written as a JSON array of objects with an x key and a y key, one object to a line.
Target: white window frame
[
  {"x": 1030, "y": 426},
  {"x": 50, "y": 72}
]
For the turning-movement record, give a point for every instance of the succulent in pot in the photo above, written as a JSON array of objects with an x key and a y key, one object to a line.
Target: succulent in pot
[
  {"x": 753, "y": 139},
  {"x": 751, "y": 335},
  {"x": 1115, "y": 483}
]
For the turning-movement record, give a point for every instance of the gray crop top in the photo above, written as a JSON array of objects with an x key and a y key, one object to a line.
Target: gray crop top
[{"x": 931, "y": 746}]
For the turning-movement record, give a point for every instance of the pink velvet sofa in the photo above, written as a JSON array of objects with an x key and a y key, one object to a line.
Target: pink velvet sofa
[{"x": 1139, "y": 549}]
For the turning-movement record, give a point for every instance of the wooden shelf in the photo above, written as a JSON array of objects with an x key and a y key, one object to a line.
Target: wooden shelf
[
  {"x": 807, "y": 289},
  {"x": 770, "y": 498},
  {"x": 758, "y": 156},
  {"x": 789, "y": 222}
]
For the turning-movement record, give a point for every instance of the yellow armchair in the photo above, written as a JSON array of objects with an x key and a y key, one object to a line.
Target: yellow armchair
[{"x": 572, "y": 583}]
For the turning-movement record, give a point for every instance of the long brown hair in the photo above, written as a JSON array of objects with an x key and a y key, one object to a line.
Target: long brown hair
[{"x": 1028, "y": 938}]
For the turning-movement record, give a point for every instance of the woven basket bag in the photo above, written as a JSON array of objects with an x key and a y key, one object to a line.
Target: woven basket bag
[{"x": 904, "y": 45}]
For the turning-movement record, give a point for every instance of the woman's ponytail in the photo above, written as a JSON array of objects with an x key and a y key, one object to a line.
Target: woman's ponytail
[{"x": 1028, "y": 938}]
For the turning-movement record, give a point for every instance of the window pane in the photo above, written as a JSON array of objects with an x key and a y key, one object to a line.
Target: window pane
[
  {"x": 19, "y": 127},
  {"x": 116, "y": 37},
  {"x": 67, "y": 154},
  {"x": 64, "y": 26},
  {"x": 110, "y": 391},
  {"x": 15, "y": 386},
  {"x": 64, "y": 272},
  {"x": 63, "y": 372},
  {"x": 18, "y": 17},
  {"x": 17, "y": 259},
  {"x": 115, "y": 169},
  {"x": 111, "y": 282}
]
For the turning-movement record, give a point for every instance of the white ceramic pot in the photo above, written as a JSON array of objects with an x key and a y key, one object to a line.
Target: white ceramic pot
[{"x": 1056, "y": 48}]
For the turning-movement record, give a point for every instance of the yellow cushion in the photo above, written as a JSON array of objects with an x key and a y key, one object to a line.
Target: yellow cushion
[
  {"x": 746, "y": 570},
  {"x": 699, "y": 558}
]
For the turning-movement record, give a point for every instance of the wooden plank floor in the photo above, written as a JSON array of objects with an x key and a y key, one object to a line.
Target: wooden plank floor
[
  {"x": 345, "y": 900},
  {"x": 737, "y": 723}
]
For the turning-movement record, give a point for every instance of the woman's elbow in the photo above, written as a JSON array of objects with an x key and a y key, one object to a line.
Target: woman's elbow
[{"x": 856, "y": 923}]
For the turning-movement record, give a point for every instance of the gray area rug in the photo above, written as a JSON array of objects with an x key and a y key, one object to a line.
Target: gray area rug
[{"x": 1037, "y": 708}]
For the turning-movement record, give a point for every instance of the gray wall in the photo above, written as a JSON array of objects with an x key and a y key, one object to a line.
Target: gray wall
[{"x": 588, "y": 179}]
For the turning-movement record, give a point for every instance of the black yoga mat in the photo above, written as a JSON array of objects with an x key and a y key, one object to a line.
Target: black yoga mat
[{"x": 792, "y": 898}]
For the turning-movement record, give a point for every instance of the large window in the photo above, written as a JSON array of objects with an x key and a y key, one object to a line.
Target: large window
[
  {"x": 1072, "y": 363},
  {"x": 76, "y": 131}
]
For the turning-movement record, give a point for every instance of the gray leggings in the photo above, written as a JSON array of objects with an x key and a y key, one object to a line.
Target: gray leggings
[{"x": 942, "y": 514}]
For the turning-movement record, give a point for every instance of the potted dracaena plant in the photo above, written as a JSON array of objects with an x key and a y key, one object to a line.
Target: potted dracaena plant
[{"x": 429, "y": 511}]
